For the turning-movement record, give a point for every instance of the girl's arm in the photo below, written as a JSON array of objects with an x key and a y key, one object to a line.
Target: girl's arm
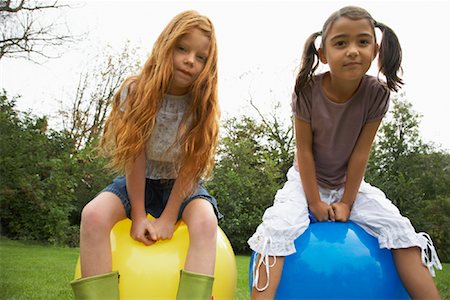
[
  {"x": 135, "y": 180},
  {"x": 355, "y": 170},
  {"x": 306, "y": 165},
  {"x": 164, "y": 226}
]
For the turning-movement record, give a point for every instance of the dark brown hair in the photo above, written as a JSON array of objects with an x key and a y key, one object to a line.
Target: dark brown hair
[{"x": 389, "y": 58}]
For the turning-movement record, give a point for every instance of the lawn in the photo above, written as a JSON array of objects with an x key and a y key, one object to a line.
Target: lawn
[{"x": 34, "y": 271}]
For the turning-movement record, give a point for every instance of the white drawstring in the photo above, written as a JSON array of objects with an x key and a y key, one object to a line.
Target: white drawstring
[
  {"x": 429, "y": 255},
  {"x": 264, "y": 256},
  {"x": 263, "y": 259}
]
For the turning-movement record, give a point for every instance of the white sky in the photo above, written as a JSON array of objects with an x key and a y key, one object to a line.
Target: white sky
[{"x": 260, "y": 44}]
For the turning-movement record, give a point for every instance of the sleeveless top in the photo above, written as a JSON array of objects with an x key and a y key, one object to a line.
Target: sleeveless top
[{"x": 161, "y": 149}]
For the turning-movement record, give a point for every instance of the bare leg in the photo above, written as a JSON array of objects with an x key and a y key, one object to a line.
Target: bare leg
[
  {"x": 97, "y": 220},
  {"x": 414, "y": 275},
  {"x": 202, "y": 225},
  {"x": 274, "y": 279}
]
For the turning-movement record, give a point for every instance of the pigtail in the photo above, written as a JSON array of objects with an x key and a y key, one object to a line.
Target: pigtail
[
  {"x": 310, "y": 62},
  {"x": 390, "y": 57}
]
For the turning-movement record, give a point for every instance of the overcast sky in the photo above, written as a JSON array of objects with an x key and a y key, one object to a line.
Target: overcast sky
[{"x": 260, "y": 44}]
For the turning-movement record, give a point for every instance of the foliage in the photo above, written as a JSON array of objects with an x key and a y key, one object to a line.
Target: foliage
[
  {"x": 280, "y": 139},
  {"x": 433, "y": 216},
  {"x": 43, "y": 180},
  {"x": 413, "y": 175},
  {"x": 91, "y": 177},
  {"x": 36, "y": 175},
  {"x": 398, "y": 143},
  {"x": 246, "y": 177}
]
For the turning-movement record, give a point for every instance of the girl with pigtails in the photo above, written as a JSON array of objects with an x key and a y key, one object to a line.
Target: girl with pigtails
[
  {"x": 162, "y": 133},
  {"x": 337, "y": 115}
]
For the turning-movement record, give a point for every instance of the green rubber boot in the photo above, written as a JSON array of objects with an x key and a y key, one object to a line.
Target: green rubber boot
[
  {"x": 194, "y": 286},
  {"x": 99, "y": 287}
]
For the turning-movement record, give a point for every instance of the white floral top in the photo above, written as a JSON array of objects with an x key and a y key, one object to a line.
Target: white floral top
[{"x": 161, "y": 149}]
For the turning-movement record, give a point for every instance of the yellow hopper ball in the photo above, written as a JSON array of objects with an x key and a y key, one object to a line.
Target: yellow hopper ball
[{"x": 152, "y": 272}]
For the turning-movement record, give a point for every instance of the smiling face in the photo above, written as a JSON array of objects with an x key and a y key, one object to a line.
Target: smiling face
[
  {"x": 190, "y": 54},
  {"x": 349, "y": 48}
]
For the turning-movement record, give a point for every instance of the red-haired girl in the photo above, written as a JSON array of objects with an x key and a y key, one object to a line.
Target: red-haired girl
[{"x": 162, "y": 133}]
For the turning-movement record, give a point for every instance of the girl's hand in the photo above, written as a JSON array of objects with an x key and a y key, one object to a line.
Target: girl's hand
[
  {"x": 142, "y": 231},
  {"x": 163, "y": 229},
  {"x": 322, "y": 211},
  {"x": 341, "y": 211}
]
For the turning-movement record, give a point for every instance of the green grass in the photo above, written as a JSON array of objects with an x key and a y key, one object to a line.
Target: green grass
[
  {"x": 442, "y": 280},
  {"x": 243, "y": 291},
  {"x": 33, "y": 271}
]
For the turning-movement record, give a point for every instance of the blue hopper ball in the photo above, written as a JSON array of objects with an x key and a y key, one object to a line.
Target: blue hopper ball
[{"x": 336, "y": 260}]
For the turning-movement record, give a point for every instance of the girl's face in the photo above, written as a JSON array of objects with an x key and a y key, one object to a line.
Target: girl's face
[
  {"x": 349, "y": 48},
  {"x": 189, "y": 57}
]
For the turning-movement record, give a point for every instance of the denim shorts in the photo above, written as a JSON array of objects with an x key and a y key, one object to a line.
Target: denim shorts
[{"x": 157, "y": 194}]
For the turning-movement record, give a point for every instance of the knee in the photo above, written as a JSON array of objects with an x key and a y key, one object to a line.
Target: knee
[
  {"x": 93, "y": 220},
  {"x": 204, "y": 228}
]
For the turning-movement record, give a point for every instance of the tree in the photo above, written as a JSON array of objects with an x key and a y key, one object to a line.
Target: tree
[
  {"x": 25, "y": 33},
  {"x": 247, "y": 175},
  {"x": 280, "y": 139},
  {"x": 398, "y": 146},
  {"x": 414, "y": 176},
  {"x": 434, "y": 217},
  {"x": 36, "y": 182},
  {"x": 93, "y": 98}
]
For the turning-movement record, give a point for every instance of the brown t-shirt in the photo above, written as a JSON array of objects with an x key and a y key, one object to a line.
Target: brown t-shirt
[{"x": 336, "y": 126}]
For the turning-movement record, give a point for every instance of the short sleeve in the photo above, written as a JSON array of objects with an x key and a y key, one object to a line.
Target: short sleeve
[
  {"x": 379, "y": 105},
  {"x": 301, "y": 107}
]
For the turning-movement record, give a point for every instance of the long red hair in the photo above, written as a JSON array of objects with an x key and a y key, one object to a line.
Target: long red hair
[{"x": 127, "y": 130}]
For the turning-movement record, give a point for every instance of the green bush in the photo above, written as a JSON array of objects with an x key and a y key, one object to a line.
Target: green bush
[
  {"x": 249, "y": 171},
  {"x": 36, "y": 186}
]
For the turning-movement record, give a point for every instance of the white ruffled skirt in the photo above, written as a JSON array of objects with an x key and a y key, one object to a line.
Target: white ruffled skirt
[{"x": 288, "y": 218}]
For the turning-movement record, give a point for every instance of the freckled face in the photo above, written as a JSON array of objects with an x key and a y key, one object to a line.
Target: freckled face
[
  {"x": 189, "y": 57},
  {"x": 349, "y": 48}
]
